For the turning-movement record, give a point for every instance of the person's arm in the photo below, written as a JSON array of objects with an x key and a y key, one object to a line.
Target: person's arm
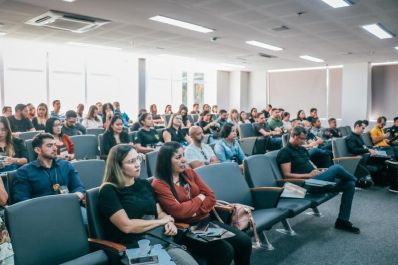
[
  {"x": 264, "y": 132},
  {"x": 74, "y": 183},
  {"x": 179, "y": 210},
  {"x": 21, "y": 187},
  {"x": 21, "y": 153},
  {"x": 214, "y": 160},
  {"x": 210, "y": 199},
  {"x": 3, "y": 193},
  {"x": 220, "y": 153},
  {"x": 166, "y": 136},
  {"x": 187, "y": 138},
  {"x": 69, "y": 146},
  {"x": 241, "y": 154},
  {"x": 196, "y": 163},
  {"x": 376, "y": 138},
  {"x": 287, "y": 172},
  {"x": 354, "y": 148}
]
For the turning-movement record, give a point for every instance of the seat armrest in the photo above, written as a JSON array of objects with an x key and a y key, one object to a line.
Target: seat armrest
[
  {"x": 266, "y": 197},
  {"x": 224, "y": 208},
  {"x": 347, "y": 158},
  {"x": 182, "y": 226},
  {"x": 108, "y": 245},
  {"x": 297, "y": 181}
]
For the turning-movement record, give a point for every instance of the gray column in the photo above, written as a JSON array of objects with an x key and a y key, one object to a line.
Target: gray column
[
  {"x": 2, "y": 102},
  {"x": 141, "y": 83}
]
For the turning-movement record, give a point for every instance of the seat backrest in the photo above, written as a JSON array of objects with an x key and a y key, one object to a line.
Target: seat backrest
[
  {"x": 91, "y": 172},
  {"x": 285, "y": 139},
  {"x": 143, "y": 171},
  {"x": 95, "y": 228},
  {"x": 95, "y": 131},
  {"x": 344, "y": 131},
  {"x": 339, "y": 148},
  {"x": 246, "y": 130},
  {"x": 10, "y": 185},
  {"x": 86, "y": 146},
  {"x": 151, "y": 159},
  {"x": 258, "y": 171},
  {"x": 132, "y": 136},
  {"x": 274, "y": 165},
  {"x": 28, "y": 135},
  {"x": 166, "y": 119},
  {"x": 47, "y": 230},
  {"x": 367, "y": 139},
  {"x": 227, "y": 182},
  {"x": 31, "y": 153},
  {"x": 100, "y": 144}
]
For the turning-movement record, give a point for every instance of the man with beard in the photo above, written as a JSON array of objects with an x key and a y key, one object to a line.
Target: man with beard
[
  {"x": 47, "y": 175},
  {"x": 198, "y": 154}
]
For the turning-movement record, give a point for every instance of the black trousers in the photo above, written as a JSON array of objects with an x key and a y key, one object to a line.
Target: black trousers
[{"x": 222, "y": 252}]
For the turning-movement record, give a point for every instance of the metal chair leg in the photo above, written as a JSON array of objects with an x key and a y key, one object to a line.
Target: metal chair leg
[
  {"x": 315, "y": 212},
  {"x": 266, "y": 244},
  {"x": 287, "y": 230}
]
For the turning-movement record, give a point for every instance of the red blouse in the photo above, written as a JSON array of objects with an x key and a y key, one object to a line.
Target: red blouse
[{"x": 188, "y": 208}]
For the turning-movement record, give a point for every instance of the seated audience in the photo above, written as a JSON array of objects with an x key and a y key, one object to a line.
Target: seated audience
[
  {"x": 267, "y": 111},
  {"x": 301, "y": 115},
  {"x": 39, "y": 122},
  {"x": 182, "y": 194},
  {"x": 253, "y": 115},
  {"x": 56, "y": 112},
  {"x": 92, "y": 120},
  {"x": 207, "y": 125},
  {"x": 234, "y": 117},
  {"x": 115, "y": 134},
  {"x": 147, "y": 138},
  {"x": 128, "y": 204},
  {"x": 198, "y": 154},
  {"x": 393, "y": 130},
  {"x": 206, "y": 107},
  {"x": 99, "y": 107},
  {"x": 183, "y": 111},
  {"x": 70, "y": 126},
  {"x": 195, "y": 109},
  {"x": 19, "y": 122},
  {"x": 31, "y": 111},
  {"x": 317, "y": 129},
  {"x": 243, "y": 118},
  {"x": 313, "y": 115},
  {"x": 287, "y": 125},
  {"x": 222, "y": 117},
  {"x": 214, "y": 109},
  {"x": 332, "y": 131},
  {"x": 274, "y": 121},
  {"x": 157, "y": 118},
  {"x": 136, "y": 125},
  {"x": 13, "y": 152},
  {"x": 125, "y": 117},
  {"x": 79, "y": 112},
  {"x": 168, "y": 110},
  {"x": 380, "y": 139},
  {"x": 107, "y": 114},
  {"x": 6, "y": 111},
  {"x": 65, "y": 146},
  {"x": 175, "y": 132},
  {"x": 294, "y": 162},
  {"x": 47, "y": 175},
  {"x": 228, "y": 149},
  {"x": 3, "y": 194},
  {"x": 262, "y": 129}
]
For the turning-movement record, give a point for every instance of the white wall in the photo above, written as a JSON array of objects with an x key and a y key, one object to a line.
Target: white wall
[
  {"x": 356, "y": 92},
  {"x": 234, "y": 90},
  {"x": 257, "y": 90},
  {"x": 223, "y": 78}
]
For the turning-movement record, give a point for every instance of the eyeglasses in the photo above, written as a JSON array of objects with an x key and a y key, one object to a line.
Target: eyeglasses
[{"x": 136, "y": 160}]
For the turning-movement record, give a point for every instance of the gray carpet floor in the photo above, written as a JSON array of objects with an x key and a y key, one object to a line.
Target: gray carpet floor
[{"x": 374, "y": 211}]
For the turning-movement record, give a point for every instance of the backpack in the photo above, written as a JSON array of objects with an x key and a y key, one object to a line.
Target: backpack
[{"x": 240, "y": 218}]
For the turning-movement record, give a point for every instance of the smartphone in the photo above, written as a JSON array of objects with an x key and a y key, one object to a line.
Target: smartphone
[{"x": 144, "y": 260}]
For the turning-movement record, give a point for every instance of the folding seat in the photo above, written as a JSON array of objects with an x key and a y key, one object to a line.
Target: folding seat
[
  {"x": 285, "y": 139},
  {"x": 54, "y": 224},
  {"x": 31, "y": 153},
  {"x": 259, "y": 173},
  {"x": 367, "y": 139},
  {"x": 343, "y": 157},
  {"x": 101, "y": 146},
  {"x": 95, "y": 131},
  {"x": 132, "y": 136},
  {"x": 228, "y": 184},
  {"x": 249, "y": 141},
  {"x": 10, "y": 185},
  {"x": 151, "y": 159},
  {"x": 86, "y": 146},
  {"x": 91, "y": 172},
  {"x": 316, "y": 198},
  {"x": 28, "y": 135}
]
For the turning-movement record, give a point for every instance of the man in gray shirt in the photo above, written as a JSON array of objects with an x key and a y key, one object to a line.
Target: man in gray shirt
[{"x": 199, "y": 154}]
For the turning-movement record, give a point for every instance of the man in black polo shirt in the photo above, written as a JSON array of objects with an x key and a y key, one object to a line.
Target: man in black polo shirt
[
  {"x": 295, "y": 162},
  {"x": 393, "y": 130},
  {"x": 20, "y": 122},
  {"x": 262, "y": 129}
]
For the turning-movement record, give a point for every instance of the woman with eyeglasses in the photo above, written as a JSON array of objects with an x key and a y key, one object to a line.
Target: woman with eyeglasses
[
  {"x": 128, "y": 204},
  {"x": 13, "y": 152},
  {"x": 175, "y": 132},
  {"x": 39, "y": 122},
  {"x": 183, "y": 194},
  {"x": 115, "y": 134},
  {"x": 65, "y": 146}
]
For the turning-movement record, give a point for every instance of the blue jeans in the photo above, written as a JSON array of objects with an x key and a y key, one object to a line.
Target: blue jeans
[
  {"x": 9, "y": 168},
  {"x": 345, "y": 183},
  {"x": 320, "y": 157}
]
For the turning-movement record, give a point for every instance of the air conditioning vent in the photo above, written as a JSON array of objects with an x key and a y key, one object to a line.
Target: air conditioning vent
[
  {"x": 67, "y": 21},
  {"x": 267, "y": 55},
  {"x": 281, "y": 28}
]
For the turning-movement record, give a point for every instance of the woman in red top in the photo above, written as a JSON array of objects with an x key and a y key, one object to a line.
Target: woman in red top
[
  {"x": 183, "y": 195},
  {"x": 65, "y": 147}
]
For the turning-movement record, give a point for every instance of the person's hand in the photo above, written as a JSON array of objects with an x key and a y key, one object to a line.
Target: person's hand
[
  {"x": 80, "y": 195},
  {"x": 372, "y": 152},
  {"x": 170, "y": 229},
  {"x": 202, "y": 197},
  {"x": 314, "y": 173},
  {"x": 278, "y": 130},
  {"x": 387, "y": 135},
  {"x": 167, "y": 218}
]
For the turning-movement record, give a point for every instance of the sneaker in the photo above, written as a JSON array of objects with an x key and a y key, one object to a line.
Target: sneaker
[
  {"x": 346, "y": 226},
  {"x": 391, "y": 162},
  {"x": 393, "y": 188}
]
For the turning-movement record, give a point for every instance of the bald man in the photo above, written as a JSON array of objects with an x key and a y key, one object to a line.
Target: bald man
[{"x": 198, "y": 154}]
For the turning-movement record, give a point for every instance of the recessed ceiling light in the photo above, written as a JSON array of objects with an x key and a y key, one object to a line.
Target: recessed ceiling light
[
  {"x": 338, "y": 3},
  {"x": 3, "y": 33},
  {"x": 379, "y": 31},
  {"x": 263, "y": 45},
  {"x": 396, "y": 47},
  {"x": 69, "y": 1},
  {"x": 89, "y": 45},
  {"x": 178, "y": 57},
  {"x": 181, "y": 24},
  {"x": 232, "y": 65},
  {"x": 312, "y": 59}
]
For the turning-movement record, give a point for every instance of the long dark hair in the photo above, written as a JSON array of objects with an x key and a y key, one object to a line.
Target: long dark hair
[
  {"x": 164, "y": 167},
  {"x": 226, "y": 130},
  {"x": 90, "y": 113},
  {"x": 9, "y": 143},
  {"x": 50, "y": 124},
  {"x": 112, "y": 121}
]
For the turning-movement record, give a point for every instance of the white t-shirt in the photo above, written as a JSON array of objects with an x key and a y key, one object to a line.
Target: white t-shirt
[{"x": 194, "y": 153}]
